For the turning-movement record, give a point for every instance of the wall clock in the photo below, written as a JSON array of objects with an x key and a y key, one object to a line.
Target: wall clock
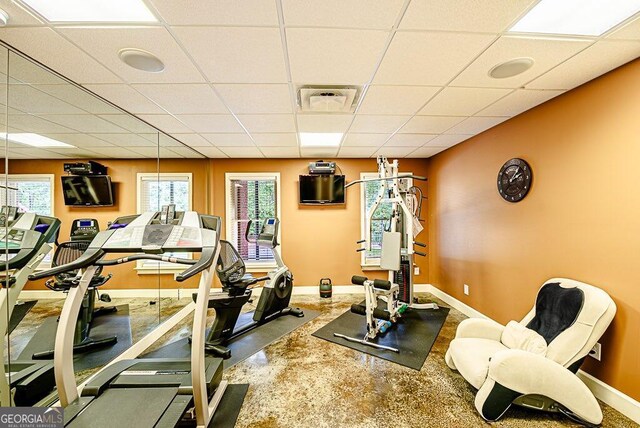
[{"x": 514, "y": 180}]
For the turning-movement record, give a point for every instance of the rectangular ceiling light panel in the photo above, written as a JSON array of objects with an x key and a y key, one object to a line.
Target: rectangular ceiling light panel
[
  {"x": 576, "y": 17},
  {"x": 320, "y": 139},
  {"x": 36, "y": 140},
  {"x": 92, "y": 10}
]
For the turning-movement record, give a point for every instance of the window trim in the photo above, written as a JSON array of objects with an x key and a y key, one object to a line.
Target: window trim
[
  {"x": 34, "y": 177},
  {"x": 372, "y": 263},
  {"x": 229, "y": 211},
  {"x": 152, "y": 268}
]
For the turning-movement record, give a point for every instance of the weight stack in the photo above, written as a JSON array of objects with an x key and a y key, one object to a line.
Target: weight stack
[{"x": 402, "y": 277}]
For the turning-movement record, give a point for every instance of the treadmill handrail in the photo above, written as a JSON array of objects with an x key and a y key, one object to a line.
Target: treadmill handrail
[
  {"x": 88, "y": 258},
  {"x": 144, "y": 256},
  {"x": 203, "y": 263}
]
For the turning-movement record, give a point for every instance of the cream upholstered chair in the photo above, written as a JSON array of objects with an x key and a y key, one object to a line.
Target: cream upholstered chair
[{"x": 533, "y": 363}]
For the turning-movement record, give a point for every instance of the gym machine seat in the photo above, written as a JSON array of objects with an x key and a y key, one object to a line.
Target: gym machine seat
[
  {"x": 65, "y": 253},
  {"x": 533, "y": 363}
]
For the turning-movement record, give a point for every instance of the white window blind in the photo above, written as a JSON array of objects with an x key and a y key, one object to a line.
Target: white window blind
[
  {"x": 157, "y": 190},
  {"x": 379, "y": 222},
  {"x": 251, "y": 197}
]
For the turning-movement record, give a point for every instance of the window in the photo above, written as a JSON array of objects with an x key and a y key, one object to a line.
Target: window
[
  {"x": 31, "y": 193},
  {"x": 251, "y": 197},
  {"x": 155, "y": 191},
  {"x": 379, "y": 222}
]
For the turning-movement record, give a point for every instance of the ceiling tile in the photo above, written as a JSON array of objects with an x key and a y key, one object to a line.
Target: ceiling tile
[
  {"x": 425, "y": 152},
  {"x": 48, "y": 47},
  {"x": 129, "y": 140},
  {"x": 357, "y": 152},
  {"x": 78, "y": 97},
  {"x": 154, "y": 152},
  {"x": 342, "y": 13},
  {"x": 376, "y": 123},
  {"x": 81, "y": 140},
  {"x": 211, "y": 152},
  {"x": 242, "y": 152},
  {"x": 281, "y": 152},
  {"x": 268, "y": 122},
  {"x": 407, "y": 140},
  {"x": 430, "y": 124},
  {"x": 599, "y": 58},
  {"x": 429, "y": 58},
  {"x": 462, "y": 101},
  {"x": 214, "y": 123},
  {"x": 546, "y": 52},
  {"x": 18, "y": 15},
  {"x": 120, "y": 154},
  {"x": 330, "y": 56},
  {"x": 396, "y": 100},
  {"x": 104, "y": 43},
  {"x": 83, "y": 123},
  {"x": 22, "y": 70},
  {"x": 34, "y": 153},
  {"x": 476, "y": 125},
  {"x": 166, "y": 123},
  {"x": 630, "y": 31},
  {"x": 364, "y": 140},
  {"x": 275, "y": 140},
  {"x": 324, "y": 122},
  {"x": 518, "y": 101},
  {"x": 219, "y": 12},
  {"x": 127, "y": 98},
  {"x": 193, "y": 140},
  {"x": 184, "y": 98},
  {"x": 229, "y": 140},
  {"x": 236, "y": 54},
  {"x": 28, "y": 99},
  {"x": 491, "y": 16},
  {"x": 256, "y": 99},
  {"x": 393, "y": 151},
  {"x": 318, "y": 152},
  {"x": 27, "y": 123},
  {"x": 127, "y": 122},
  {"x": 186, "y": 152},
  {"x": 447, "y": 140}
]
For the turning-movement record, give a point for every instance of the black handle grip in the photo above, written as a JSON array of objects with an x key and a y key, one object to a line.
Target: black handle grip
[
  {"x": 420, "y": 253},
  {"x": 358, "y": 280},
  {"x": 361, "y": 241},
  {"x": 246, "y": 232},
  {"x": 205, "y": 261},
  {"x": 88, "y": 258},
  {"x": 382, "y": 284},
  {"x": 360, "y": 250},
  {"x": 419, "y": 244}
]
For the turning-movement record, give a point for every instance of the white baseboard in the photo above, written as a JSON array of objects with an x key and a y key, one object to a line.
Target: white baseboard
[{"x": 602, "y": 391}]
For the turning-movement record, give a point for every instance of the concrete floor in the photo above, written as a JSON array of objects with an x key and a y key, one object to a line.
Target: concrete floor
[{"x": 301, "y": 380}]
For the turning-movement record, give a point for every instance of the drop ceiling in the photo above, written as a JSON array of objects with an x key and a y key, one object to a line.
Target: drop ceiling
[{"x": 232, "y": 69}]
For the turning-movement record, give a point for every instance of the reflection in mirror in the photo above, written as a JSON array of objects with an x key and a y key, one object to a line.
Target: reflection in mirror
[
  {"x": 51, "y": 122},
  {"x": 5, "y": 306}
]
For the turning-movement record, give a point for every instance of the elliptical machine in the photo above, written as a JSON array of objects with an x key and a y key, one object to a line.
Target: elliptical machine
[{"x": 237, "y": 288}]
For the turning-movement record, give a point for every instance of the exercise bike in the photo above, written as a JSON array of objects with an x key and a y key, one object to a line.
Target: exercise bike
[{"x": 237, "y": 288}]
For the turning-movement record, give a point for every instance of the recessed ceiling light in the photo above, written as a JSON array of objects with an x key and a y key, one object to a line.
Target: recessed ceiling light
[
  {"x": 511, "y": 68},
  {"x": 320, "y": 139},
  {"x": 92, "y": 10},
  {"x": 576, "y": 17},
  {"x": 37, "y": 140},
  {"x": 4, "y": 18},
  {"x": 141, "y": 60}
]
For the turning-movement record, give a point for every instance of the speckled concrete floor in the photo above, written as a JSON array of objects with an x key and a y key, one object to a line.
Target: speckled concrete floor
[{"x": 301, "y": 380}]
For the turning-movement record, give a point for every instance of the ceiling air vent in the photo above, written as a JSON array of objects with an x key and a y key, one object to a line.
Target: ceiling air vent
[{"x": 328, "y": 99}]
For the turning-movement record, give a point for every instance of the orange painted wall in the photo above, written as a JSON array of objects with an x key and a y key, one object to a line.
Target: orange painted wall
[
  {"x": 581, "y": 219},
  {"x": 316, "y": 241}
]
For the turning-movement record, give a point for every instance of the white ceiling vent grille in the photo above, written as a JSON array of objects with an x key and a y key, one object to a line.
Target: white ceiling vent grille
[{"x": 327, "y": 99}]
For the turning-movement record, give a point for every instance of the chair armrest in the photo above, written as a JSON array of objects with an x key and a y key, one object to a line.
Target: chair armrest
[
  {"x": 528, "y": 373},
  {"x": 479, "y": 328}
]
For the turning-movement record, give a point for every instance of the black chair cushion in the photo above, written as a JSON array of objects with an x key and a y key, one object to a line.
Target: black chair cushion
[{"x": 557, "y": 308}]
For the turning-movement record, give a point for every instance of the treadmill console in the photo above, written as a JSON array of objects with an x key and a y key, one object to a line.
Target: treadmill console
[
  {"x": 84, "y": 229},
  {"x": 158, "y": 238}
]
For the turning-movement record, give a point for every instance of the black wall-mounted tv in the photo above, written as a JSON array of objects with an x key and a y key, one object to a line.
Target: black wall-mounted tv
[
  {"x": 87, "y": 190},
  {"x": 322, "y": 189}
]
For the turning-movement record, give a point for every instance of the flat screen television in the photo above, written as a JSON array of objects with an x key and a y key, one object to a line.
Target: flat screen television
[
  {"x": 322, "y": 189},
  {"x": 87, "y": 190}
]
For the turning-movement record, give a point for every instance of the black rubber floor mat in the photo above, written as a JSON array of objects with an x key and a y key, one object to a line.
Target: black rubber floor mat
[
  {"x": 20, "y": 310},
  {"x": 414, "y": 335}
]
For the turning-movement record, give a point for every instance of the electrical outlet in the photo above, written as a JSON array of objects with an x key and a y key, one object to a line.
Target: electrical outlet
[
  {"x": 416, "y": 270},
  {"x": 596, "y": 351},
  {"x": 466, "y": 289}
]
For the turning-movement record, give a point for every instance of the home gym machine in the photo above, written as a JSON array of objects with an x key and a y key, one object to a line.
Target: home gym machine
[
  {"x": 25, "y": 239},
  {"x": 161, "y": 392},
  {"x": 237, "y": 288},
  {"x": 397, "y": 252},
  {"x": 82, "y": 233}
]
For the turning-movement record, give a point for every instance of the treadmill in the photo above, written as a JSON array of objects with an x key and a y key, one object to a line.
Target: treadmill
[
  {"x": 25, "y": 239},
  {"x": 163, "y": 392}
]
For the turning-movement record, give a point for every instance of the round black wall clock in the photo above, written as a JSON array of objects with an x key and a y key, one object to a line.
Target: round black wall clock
[{"x": 514, "y": 180}]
